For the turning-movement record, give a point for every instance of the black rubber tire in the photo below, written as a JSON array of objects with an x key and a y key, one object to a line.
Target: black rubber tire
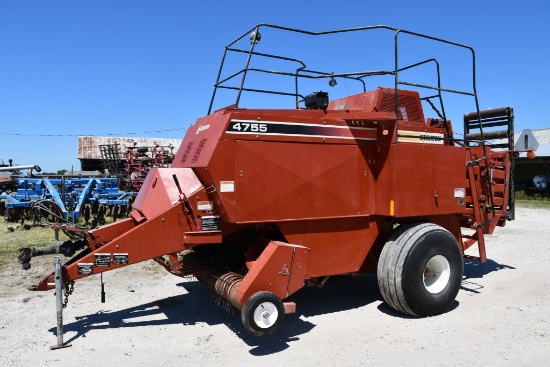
[
  {"x": 402, "y": 265},
  {"x": 252, "y": 304}
]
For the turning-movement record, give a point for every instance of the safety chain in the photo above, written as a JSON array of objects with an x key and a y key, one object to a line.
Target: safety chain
[{"x": 68, "y": 288}]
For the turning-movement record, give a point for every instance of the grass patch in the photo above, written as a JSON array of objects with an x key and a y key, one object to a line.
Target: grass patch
[
  {"x": 13, "y": 236},
  {"x": 532, "y": 195},
  {"x": 11, "y": 240},
  {"x": 533, "y": 204}
]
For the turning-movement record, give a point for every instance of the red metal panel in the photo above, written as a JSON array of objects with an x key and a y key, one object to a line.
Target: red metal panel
[
  {"x": 217, "y": 178},
  {"x": 357, "y": 102},
  {"x": 338, "y": 245},
  {"x": 285, "y": 181},
  {"x": 280, "y": 269},
  {"x": 201, "y": 140},
  {"x": 383, "y": 100},
  {"x": 427, "y": 179},
  {"x": 110, "y": 231},
  {"x": 419, "y": 179},
  {"x": 198, "y": 238},
  {"x": 159, "y": 191},
  {"x": 410, "y": 108}
]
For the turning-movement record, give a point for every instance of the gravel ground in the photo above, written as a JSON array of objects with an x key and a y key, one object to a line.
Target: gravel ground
[{"x": 501, "y": 317}]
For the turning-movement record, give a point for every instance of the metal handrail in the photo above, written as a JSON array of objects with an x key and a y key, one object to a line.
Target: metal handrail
[{"x": 359, "y": 75}]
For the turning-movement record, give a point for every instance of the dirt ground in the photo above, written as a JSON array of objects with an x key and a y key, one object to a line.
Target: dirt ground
[{"x": 501, "y": 317}]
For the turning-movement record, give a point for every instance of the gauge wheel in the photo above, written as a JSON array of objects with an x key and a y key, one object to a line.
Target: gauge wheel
[{"x": 262, "y": 313}]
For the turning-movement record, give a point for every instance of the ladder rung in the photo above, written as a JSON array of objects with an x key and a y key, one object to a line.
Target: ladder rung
[
  {"x": 498, "y": 174},
  {"x": 498, "y": 188}
]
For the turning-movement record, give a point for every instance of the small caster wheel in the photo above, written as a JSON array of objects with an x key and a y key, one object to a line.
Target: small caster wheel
[{"x": 262, "y": 313}]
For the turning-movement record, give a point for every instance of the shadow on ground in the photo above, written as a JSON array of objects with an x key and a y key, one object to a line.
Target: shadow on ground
[
  {"x": 477, "y": 270},
  {"x": 198, "y": 305}
]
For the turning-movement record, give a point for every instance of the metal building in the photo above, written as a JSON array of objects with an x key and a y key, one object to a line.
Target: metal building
[{"x": 528, "y": 170}]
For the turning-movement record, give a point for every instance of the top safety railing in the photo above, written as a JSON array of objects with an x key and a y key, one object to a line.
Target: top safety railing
[{"x": 302, "y": 71}]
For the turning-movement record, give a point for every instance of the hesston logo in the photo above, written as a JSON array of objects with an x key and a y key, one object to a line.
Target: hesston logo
[{"x": 202, "y": 128}]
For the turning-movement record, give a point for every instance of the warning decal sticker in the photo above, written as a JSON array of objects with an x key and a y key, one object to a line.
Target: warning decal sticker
[
  {"x": 205, "y": 205},
  {"x": 103, "y": 260},
  {"x": 85, "y": 268},
  {"x": 227, "y": 186},
  {"x": 120, "y": 259}
]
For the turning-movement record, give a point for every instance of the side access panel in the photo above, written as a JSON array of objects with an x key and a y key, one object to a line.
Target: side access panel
[
  {"x": 337, "y": 245},
  {"x": 421, "y": 180},
  {"x": 288, "y": 181}
]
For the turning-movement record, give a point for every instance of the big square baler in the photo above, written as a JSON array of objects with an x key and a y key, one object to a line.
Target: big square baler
[{"x": 261, "y": 202}]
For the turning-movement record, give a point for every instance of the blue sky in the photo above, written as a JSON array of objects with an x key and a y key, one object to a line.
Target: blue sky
[{"x": 134, "y": 66}]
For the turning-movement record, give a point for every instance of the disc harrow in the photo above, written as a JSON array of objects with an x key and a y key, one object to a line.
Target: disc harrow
[{"x": 46, "y": 201}]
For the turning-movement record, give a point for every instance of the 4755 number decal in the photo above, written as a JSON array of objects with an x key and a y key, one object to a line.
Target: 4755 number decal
[
  {"x": 251, "y": 127},
  {"x": 300, "y": 130}
]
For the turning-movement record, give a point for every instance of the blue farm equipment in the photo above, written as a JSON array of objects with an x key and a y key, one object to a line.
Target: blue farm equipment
[
  {"x": 65, "y": 199},
  {"x": 7, "y": 183}
]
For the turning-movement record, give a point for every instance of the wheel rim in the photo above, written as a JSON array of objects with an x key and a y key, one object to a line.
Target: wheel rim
[
  {"x": 437, "y": 273},
  {"x": 265, "y": 315}
]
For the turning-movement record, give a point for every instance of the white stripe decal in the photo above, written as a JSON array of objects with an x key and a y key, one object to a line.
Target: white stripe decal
[{"x": 302, "y": 135}]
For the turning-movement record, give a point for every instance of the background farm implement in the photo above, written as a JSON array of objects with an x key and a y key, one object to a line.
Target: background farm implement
[
  {"x": 45, "y": 200},
  {"x": 133, "y": 163}
]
